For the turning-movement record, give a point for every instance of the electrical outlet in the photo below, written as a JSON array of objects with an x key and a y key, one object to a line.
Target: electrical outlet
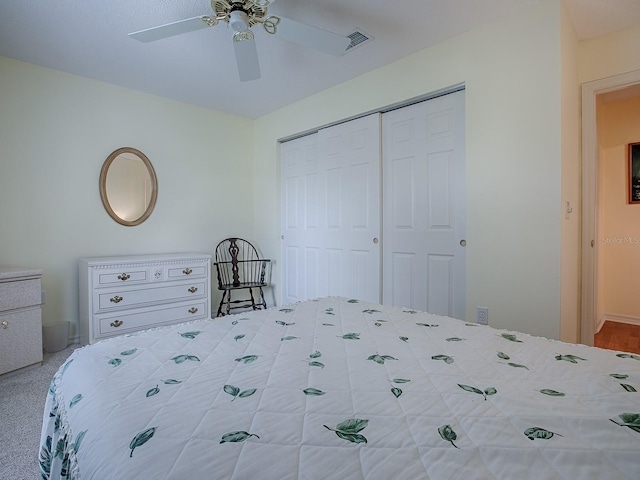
[{"x": 482, "y": 315}]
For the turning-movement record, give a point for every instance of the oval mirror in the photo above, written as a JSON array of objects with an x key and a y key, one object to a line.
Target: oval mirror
[{"x": 128, "y": 186}]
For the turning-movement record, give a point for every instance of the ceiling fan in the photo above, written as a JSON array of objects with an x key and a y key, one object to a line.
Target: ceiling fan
[{"x": 241, "y": 15}]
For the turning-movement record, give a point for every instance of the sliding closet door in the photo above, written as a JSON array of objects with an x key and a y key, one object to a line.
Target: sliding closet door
[
  {"x": 425, "y": 206},
  {"x": 350, "y": 261},
  {"x": 330, "y": 187},
  {"x": 301, "y": 200}
]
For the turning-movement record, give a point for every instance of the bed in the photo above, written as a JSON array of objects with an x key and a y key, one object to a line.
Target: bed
[{"x": 339, "y": 388}]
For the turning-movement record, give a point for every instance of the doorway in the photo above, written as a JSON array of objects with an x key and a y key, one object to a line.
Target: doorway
[{"x": 591, "y": 303}]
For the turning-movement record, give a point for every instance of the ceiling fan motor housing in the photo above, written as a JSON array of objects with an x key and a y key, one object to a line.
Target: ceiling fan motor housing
[
  {"x": 239, "y": 20},
  {"x": 242, "y": 14}
]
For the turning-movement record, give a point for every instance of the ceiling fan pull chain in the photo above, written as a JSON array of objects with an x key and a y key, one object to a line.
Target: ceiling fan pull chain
[
  {"x": 240, "y": 36},
  {"x": 210, "y": 21},
  {"x": 271, "y": 23}
]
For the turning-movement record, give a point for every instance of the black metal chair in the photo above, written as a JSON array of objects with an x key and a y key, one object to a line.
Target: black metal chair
[{"x": 240, "y": 267}]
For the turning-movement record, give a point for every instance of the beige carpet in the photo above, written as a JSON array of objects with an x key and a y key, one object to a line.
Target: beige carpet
[{"x": 22, "y": 397}]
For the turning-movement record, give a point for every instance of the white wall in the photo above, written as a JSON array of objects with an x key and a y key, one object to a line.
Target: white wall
[
  {"x": 512, "y": 73},
  {"x": 57, "y": 129}
]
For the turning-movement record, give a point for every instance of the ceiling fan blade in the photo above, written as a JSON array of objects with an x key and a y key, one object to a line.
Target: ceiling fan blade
[
  {"x": 312, "y": 37},
  {"x": 246, "y": 55},
  {"x": 174, "y": 28}
]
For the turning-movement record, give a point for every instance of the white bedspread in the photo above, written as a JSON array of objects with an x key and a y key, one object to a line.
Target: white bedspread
[{"x": 336, "y": 388}]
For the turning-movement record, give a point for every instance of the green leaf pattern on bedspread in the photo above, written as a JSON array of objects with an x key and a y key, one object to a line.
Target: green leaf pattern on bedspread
[
  {"x": 350, "y": 430},
  {"x": 569, "y": 358},
  {"x": 184, "y": 358},
  {"x": 447, "y": 433},
  {"x": 631, "y": 420},
  {"x": 115, "y": 362},
  {"x": 351, "y": 336},
  {"x": 380, "y": 358},
  {"x": 487, "y": 391},
  {"x": 141, "y": 438},
  {"x": 537, "y": 432},
  {"x": 191, "y": 335},
  {"x": 75, "y": 400},
  {"x": 235, "y": 437},
  {"x": 628, "y": 355},
  {"x": 235, "y": 392},
  {"x": 465, "y": 381}
]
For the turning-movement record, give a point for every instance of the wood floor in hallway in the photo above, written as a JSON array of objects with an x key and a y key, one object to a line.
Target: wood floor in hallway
[{"x": 618, "y": 336}]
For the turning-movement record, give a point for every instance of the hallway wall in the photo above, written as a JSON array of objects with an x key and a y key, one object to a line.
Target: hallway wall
[{"x": 619, "y": 221}]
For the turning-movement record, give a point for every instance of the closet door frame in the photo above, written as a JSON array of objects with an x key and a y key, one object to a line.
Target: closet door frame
[{"x": 307, "y": 286}]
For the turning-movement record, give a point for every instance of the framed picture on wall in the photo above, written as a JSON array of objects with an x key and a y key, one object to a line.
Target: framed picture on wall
[{"x": 634, "y": 173}]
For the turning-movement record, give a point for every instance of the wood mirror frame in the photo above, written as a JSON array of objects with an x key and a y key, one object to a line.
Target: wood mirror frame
[{"x": 148, "y": 183}]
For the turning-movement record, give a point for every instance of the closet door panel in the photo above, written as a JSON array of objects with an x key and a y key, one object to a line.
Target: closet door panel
[
  {"x": 424, "y": 206},
  {"x": 301, "y": 204},
  {"x": 350, "y": 152},
  {"x": 331, "y": 212}
]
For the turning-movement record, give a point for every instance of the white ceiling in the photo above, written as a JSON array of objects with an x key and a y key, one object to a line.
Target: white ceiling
[{"x": 89, "y": 38}]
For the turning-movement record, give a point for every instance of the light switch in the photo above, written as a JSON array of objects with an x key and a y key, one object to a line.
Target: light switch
[{"x": 568, "y": 209}]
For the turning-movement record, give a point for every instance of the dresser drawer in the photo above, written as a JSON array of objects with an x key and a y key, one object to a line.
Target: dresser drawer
[
  {"x": 175, "y": 272},
  {"x": 130, "y": 321},
  {"x": 19, "y": 294},
  {"x": 150, "y": 294},
  {"x": 109, "y": 278}
]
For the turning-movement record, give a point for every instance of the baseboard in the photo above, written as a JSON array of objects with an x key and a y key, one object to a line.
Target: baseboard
[{"x": 612, "y": 317}]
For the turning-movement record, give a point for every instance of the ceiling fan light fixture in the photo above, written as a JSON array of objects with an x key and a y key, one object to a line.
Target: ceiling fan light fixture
[{"x": 239, "y": 20}]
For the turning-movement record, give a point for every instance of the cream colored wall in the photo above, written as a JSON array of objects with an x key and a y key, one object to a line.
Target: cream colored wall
[
  {"x": 56, "y": 130},
  {"x": 619, "y": 233},
  {"x": 570, "y": 257},
  {"x": 599, "y": 59},
  {"x": 512, "y": 73},
  {"x": 609, "y": 55},
  {"x": 520, "y": 163}
]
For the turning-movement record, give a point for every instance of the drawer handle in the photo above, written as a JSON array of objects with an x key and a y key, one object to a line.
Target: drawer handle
[
  {"x": 193, "y": 310},
  {"x": 5, "y": 324},
  {"x": 187, "y": 271},
  {"x": 193, "y": 289},
  {"x": 116, "y": 323},
  {"x": 116, "y": 299},
  {"x": 124, "y": 276}
]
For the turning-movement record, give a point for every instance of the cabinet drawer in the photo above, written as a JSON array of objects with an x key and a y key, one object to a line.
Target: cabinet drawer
[
  {"x": 186, "y": 270},
  {"x": 20, "y": 294},
  {"x": 114, "y": 324},
  {"x": 145, "y": 295},
  {"x": 21, "y": 340},
  {"x": 120, "y": 277}
]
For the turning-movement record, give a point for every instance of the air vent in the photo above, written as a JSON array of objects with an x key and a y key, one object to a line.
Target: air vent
[{"x": 358, "y": 38}]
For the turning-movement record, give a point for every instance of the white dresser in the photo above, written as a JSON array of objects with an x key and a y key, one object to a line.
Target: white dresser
[
  {"x": 20, "y": 318},
  {"x": 121, "y": 295}
]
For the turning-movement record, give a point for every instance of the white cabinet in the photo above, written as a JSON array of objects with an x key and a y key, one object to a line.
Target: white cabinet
[
  {"x": 120, "y": 295},
  {"x": 20, "y": 318}
]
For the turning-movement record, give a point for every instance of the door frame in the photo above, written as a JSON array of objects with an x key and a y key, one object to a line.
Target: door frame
[
  {"x": 589, "y": 245},
  {"x": 279, "y": 292}
]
